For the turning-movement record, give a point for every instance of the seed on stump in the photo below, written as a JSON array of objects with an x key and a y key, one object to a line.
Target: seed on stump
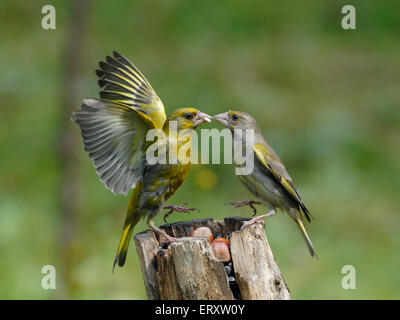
[
  {"x": 202, "y": 232},
  {"x": 221, "y": 249}
]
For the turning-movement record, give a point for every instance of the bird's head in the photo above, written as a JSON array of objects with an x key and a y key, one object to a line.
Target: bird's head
[
  {"x": 188, "y": 118},
  {"x": 236, "y": 120}
]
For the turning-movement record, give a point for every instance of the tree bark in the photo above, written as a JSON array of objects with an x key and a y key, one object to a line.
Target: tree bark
[{"x": 187, "y": 269}]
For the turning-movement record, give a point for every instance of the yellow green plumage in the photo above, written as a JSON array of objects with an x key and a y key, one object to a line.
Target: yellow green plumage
[
  {"x": 269, "y": 182},
  {"x": 114, "y": 130}
]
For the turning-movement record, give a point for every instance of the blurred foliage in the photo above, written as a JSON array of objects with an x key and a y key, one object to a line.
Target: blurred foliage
[{"x": 327, "y": 99}]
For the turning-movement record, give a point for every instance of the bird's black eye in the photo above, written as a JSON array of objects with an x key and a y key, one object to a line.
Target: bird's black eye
[
  {"x": 235, "y": 117},
  {"x": 189, "y": 116}
]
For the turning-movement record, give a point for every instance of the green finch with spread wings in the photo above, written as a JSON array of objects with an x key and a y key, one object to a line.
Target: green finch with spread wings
[
  {"x": 114, "y": 130},
  {"x": 269, "y": 182}
]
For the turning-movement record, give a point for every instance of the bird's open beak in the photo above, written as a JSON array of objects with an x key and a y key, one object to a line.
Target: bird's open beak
[
  {"x": 202, "y": 117},
  {"x": 222, "y": 118}
]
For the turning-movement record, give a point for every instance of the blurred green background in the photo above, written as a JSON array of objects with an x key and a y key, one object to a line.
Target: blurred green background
[{"x": 327, "y": 100}]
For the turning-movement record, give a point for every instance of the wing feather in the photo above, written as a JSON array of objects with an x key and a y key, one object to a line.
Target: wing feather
[
  {"x": 123, "y": 83},
  {"x": 272, "y": 163},
  {"x": 114, "y": 136}
]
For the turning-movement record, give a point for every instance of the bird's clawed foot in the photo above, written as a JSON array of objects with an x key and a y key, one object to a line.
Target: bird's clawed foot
[
  {"x": 258, "y": 219},
  {"x": 163, "y": 235},
  {"x": 180, "y": 208},
  {"x": 250, "y": 203}
]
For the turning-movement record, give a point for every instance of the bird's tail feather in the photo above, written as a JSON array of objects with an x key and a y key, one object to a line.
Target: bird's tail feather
[
  {"x": 132, "y": 218},
  {"x": 305, "y": 235}
]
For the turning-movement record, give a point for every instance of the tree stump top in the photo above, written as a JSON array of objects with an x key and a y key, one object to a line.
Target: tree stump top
[{"x": 188, "y": 269}]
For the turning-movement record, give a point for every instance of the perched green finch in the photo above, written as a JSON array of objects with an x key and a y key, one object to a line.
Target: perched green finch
[
  {"x": 269, "y": 181},
  {"x": 114, "y": 131}
]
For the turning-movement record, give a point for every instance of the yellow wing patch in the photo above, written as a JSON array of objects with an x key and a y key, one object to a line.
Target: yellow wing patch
[
  {"x": 273, "y": 165},
  {"x": 122, "y": 82}
]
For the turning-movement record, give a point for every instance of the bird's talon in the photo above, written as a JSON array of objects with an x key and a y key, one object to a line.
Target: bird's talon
[
  {"x": 244, "y": 225},
  {"x": 180, "y": 208},
  {"x": 250, "y": 203},
  {"x": 167, "y": 241},
  {"x": 253, "y": 221}
]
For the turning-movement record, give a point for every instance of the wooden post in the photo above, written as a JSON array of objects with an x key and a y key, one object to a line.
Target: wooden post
[{"x": 188, "y": 269}]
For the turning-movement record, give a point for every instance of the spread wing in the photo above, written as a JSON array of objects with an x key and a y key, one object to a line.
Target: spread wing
[
  {"x": 123, "y": 83},
  {"x": 273, "y": 164},
  {"x": 114, "y": 135}
]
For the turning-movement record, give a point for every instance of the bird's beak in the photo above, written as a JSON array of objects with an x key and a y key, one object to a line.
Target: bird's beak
[
  {"x": 222, "y": 118},
  {"x": 202, "y": 117}
]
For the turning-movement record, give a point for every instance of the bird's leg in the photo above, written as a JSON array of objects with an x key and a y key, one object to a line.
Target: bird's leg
[
  {"x": 250, "y": 203},
  {"x": 161, "y": 233},
  {"x": 180, "y": 208},
  {"x": 270, "y": 213}
]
